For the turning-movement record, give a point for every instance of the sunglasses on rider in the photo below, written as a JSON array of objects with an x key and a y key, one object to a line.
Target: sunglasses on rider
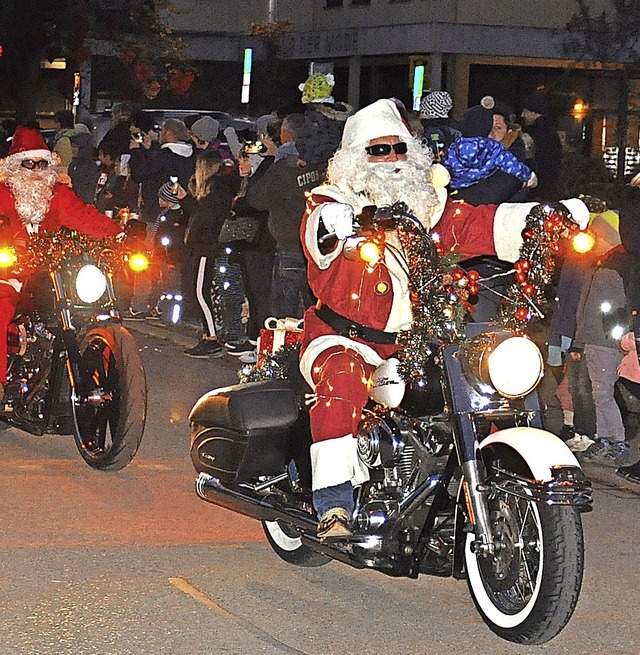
[
  {"x": 32, "y": 164},
  {"x": 384, "y": 149}
]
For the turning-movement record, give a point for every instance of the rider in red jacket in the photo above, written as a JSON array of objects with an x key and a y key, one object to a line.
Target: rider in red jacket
[{"x": 32, "y": 200}]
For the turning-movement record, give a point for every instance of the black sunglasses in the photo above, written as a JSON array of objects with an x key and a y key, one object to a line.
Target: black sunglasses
[
  {"x": 384, "y": 149},
  {"x": 32, "y": 164}
]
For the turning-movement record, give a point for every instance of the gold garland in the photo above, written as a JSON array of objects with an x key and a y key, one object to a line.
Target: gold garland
[{"x": 525, "y": 298}]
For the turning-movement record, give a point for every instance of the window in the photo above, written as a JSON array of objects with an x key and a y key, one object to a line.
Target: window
[
  {"x": 333, "y": 3},
  {"x": 360, "y": 2}
]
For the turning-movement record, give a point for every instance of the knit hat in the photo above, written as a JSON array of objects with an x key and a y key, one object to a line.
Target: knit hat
[
  {"x": 318, "y": 88},
  {"x": 478, "y": 120},
  {"x": 381, "y": 118},
  {"x": 28, "y": 143},
  {"x": 436, "y": 104},
  {"x": 537, "y": 103},
  {"x": 164, "y": 193},
  {"x": 205, "y": 129}
]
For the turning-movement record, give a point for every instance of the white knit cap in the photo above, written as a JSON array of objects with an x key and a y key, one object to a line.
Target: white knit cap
[{"x": 373, "y": 121}]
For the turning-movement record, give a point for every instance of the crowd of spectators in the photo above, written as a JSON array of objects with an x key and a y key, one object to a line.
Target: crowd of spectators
[{"x": 182, "y": 180}]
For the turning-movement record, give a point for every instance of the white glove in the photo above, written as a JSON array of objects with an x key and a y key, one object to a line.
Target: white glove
[
  {"x": 532, "y": 182},
  {"x": 337, "y": 218},
  {"x": 579, "y": 211}
]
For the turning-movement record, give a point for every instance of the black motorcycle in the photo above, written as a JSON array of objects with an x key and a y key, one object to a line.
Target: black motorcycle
[
  {"x": 463, "y": 479},
  {"x": 72, "y": 367}
]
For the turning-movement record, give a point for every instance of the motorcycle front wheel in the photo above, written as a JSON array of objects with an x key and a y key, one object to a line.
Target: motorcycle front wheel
[
  {"x": 108, "y": 425},
  {"x": 527, "y": 590}
]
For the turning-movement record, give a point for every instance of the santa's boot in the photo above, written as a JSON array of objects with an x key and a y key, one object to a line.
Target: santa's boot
[{"x": 334, "y": 465}]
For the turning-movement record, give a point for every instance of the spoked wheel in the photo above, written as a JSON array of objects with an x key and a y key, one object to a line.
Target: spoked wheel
[
  {"x": 527, "y": 589},
  {"x": 286, "y": 542},
  {"x": 110, "y": 415}
]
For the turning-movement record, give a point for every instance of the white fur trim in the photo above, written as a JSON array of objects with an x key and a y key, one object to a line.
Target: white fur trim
[
  {"x": 508, "y": 223},
  {"x": 335, "y": 461},
  {"x": 438, "y": 210},
  {"x": 323, "y": 261},
  {"x": 30, "y": 154},
  {"x": 376, "y": 120},
  {"x": 12, "y": 282},
  {"x": 320, "y": 344},
  {"x": 400, "y": 316},
  {"x": 579, "y": 211}
]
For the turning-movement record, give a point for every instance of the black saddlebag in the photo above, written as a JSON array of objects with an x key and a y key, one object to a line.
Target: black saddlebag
[{"x": 243, "y": 431}]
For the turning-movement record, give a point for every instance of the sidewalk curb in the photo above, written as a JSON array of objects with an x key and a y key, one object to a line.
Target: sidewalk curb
[{"x": 184, "y": 336}]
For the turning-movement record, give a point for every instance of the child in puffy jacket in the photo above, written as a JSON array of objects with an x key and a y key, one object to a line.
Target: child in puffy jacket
[{"x": 483, "y": 171}]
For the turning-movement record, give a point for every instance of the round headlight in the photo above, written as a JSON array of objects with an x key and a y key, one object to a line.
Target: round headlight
[
  {"x": 515, "y": 367},
  {"x": 90, "y": 283}
]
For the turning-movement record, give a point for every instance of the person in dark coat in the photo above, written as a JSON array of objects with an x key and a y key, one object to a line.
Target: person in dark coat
[
  {"x": 83, "y": 170},
  {"x": 541, "y": 126},
  {"x": 152, "y": 167},
  {"x": 324, "y": 120},
  {"x": 208, "y": 204}
]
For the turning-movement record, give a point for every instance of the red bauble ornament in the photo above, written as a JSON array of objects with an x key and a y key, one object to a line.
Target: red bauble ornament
[
  {"x": 458, "y": 274},
  {"x": 529, "y": 290},
  {"x": 473, "y": 276},
  {"x": 521, "y": 277},
  {"x": 522, "y": 313}
]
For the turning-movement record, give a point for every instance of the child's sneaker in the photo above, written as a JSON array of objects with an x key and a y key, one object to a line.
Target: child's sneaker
[{"x": 579, "y": 443}]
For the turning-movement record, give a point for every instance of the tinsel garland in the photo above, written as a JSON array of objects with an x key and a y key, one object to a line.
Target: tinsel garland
[
  {"x": 439, "y": 292},
  {"x": 49, "y": 249},
  {"x": 525, "y": 298},
  {"x": 280, "y": 365}
]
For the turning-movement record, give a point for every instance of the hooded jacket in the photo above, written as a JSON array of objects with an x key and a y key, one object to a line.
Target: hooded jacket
[
  {"x": 471, "y": 159},
  {"x": 83, "y": 170},
  {"x": 322, "y": 131},
  {"x": 153, "y": 167}
]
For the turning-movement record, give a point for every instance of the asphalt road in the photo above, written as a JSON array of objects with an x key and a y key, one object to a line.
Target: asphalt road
[{"x": 133, "y": 562}]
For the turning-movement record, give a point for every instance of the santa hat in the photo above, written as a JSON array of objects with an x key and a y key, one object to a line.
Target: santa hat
[
  {"x": 28, "y": 143},
  {"x": 478, "y": 120},
  {"x": 318, "y": 88},
  {"x": 436, "y": 104},
  {"x": 381, "y": 118}
]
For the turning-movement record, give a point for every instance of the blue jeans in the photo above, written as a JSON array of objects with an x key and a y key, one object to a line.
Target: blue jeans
[
  {"x": 291, "y": 295},
  {"x": 341, "y": 495}
]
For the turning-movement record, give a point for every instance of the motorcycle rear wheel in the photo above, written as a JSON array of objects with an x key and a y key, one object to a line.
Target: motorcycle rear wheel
[
  {"x": 287, "y": 544},
  {"x": 108, "y": 434},
  {"x": 527, "y": 591}
]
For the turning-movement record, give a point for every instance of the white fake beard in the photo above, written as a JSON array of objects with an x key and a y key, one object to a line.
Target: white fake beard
[
  {"x": 32, "y": 190},
  {"x": 385, "y": 183}
]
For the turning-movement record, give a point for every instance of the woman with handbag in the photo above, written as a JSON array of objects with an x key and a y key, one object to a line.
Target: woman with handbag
[{"x": 211, "y": 192}]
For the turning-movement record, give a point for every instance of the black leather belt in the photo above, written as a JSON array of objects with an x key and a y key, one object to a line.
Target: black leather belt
[{"x": 350, "y": 329}]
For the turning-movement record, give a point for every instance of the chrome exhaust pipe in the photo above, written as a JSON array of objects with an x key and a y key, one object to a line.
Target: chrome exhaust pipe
[{"x": 262, "y": 508}]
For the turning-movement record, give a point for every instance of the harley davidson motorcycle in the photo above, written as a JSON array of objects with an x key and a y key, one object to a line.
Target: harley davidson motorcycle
[
  {"x": 463, "y": 479},
  {"x": 72, "y": 366}
]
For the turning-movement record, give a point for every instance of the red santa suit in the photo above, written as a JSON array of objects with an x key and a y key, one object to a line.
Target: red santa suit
[
  {"x": 373, "y": 300},
  {"x": 337, "y": 366},
  {"x": 65, "y": 210}
]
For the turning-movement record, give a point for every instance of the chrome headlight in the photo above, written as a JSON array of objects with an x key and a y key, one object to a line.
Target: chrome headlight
[
  {"x": 515, "y": 367},
  {"x": 91, "y": 284},
  {"x": 502, "y": 362}
]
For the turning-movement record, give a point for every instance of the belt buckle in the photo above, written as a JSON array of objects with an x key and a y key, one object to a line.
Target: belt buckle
[{"x": 353, "y": 332}]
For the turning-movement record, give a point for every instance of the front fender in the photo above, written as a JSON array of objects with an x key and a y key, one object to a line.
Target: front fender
[{"x": 540, "y": 449}]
